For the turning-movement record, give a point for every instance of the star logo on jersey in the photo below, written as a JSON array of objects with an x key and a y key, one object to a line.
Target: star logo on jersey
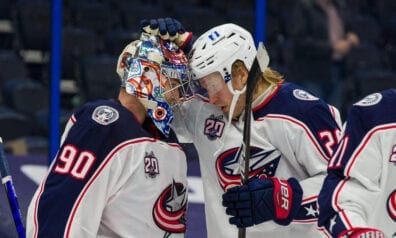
[
  {"x": 391, "y": 205},
  {"x": 309, "y": 211},
  {"x": 105, "y": 115},
  {"x": 169, "y": 211},
  {"x": 151, "y": 167},
  {"x": 262, "y": 163}
]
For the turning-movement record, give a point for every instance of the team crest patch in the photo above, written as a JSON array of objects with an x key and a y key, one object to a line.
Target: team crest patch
[
  {"x": 370, "y": 100},
  {"x": 214, "y": 127},
  {"x": 304, "y": 95},
  {"x": 151, "y": 167},
  {"x": 105, "y": 115}
]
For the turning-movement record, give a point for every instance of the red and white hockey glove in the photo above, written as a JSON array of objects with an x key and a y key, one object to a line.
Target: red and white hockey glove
[
  {"x": 168, "y": 29},
  {"x": 362, "y": 233},
  {"x": 262, "y": 200}
]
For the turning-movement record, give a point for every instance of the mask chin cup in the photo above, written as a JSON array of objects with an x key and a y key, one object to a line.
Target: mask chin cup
[{"x": 160, "y": 113}]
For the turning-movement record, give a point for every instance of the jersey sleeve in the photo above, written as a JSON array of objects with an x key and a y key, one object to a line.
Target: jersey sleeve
[
  {"x": 85, "y": 169},
  {"x": 353, "y": 183},
  {"x": 307, "y": 143}
]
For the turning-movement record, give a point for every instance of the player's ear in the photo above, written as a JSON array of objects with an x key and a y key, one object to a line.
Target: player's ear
[
  {"x": 240, "y": 72},
  {"x": 244, "y": 74}
]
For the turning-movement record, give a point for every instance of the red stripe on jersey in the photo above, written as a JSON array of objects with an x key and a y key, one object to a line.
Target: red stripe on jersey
[
  {"x": 305, "y": 128},
  {"x": 366, "y": 139},
  {"x": 349, "y": 167},
  {"x": 97, "y": 173}
]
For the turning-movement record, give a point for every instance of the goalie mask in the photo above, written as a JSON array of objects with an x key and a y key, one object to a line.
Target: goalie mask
[{"x": 155, "y": 71}]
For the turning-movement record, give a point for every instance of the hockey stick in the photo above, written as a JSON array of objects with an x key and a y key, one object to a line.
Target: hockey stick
[
  {"x": 260, "y": 63},
  {"x": 6, "y": 179}
]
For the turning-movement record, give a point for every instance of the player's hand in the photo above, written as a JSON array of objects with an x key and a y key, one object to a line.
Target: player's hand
[
  {"x": 362, "y": 233},
  {"x": 168, "y": 29},
  {"x": 262, "y": 200}
]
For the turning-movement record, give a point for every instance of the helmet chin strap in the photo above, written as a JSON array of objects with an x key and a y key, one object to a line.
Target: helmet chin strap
[{"x": 236, "y": 94}]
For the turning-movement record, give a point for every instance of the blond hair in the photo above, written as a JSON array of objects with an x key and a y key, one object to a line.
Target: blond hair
[{"x": 269, "y": 75}]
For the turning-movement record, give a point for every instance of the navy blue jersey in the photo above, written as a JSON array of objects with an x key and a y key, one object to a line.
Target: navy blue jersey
[
  {"x": 303, "y": 130},
  {"x": 110, "y": 168},
  {"x": 360, "y": 189},
  {"x": 294, "y": 102}
]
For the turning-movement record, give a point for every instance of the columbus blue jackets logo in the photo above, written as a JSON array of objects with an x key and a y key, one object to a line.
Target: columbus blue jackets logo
[
  {"x": 214, "y": 127},
  {"x": 105, "y": 115},
  {"x": 304, "y": 95},
  {"x": 370, "y": 100},
  {"x": 262, "y": 164},
  {"x": 169, "y": 211},
  {"x": 391, "y": 205}
]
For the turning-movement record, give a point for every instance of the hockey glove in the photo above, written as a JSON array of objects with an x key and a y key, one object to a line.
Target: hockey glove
[
  {"x": 168, "y": 29},
  {"x": 362, "y": 233},
  {"x": 262, "y": 200}
]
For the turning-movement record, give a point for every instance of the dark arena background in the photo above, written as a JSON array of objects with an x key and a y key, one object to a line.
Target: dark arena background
[{"x": 56, "y": 55}]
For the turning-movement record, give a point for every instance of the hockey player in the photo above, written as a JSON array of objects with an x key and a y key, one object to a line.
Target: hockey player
[
  {"x": 120, "y": 171},
  {"x": 293, "y": 135},
  {"x": 358, "y": 197}
]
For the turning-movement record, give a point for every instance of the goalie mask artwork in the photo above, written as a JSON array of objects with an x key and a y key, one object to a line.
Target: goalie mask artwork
[{"x": 155, "y": 71}]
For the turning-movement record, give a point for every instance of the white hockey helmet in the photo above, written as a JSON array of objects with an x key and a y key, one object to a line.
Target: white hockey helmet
[{"x": 218, "y": 48}]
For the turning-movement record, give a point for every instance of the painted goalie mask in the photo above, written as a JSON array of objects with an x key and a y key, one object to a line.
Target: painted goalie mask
[{"x": 156, "y": 72}]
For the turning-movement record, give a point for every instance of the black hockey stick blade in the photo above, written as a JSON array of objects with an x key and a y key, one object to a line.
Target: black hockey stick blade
[
  {"x": 260, "y": 63},
  {"x": 6, "y": 180}
]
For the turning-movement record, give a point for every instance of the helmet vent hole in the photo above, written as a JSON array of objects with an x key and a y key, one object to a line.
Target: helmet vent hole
[
  {"x": 199, "y": 65},
  {"x": 219, "y": 40}
]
